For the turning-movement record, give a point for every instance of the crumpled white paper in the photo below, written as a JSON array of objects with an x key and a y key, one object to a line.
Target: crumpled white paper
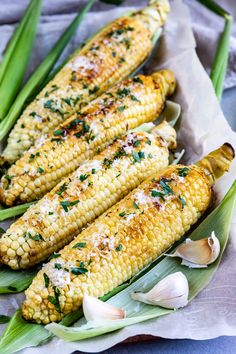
[{"x": 202, "y": 128}]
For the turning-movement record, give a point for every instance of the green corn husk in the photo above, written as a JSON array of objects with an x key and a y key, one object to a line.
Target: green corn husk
[
  {"x": 21, "y": 334},
  {"x": 38, "y": 78},
  {"x": 13, "y": 41},
  {"x": 15, "y": 281},
  {"x": 14, "y": 211},
  {"x": 20, "y": 54},
  {"x": 219, "y": 66},
  {"x": 4, "y": 319}
]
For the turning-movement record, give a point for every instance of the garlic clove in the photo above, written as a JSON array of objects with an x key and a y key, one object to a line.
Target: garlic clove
[
  {"x": 171, "y": 292},
  {"x": 200, "y": 253},
  {"x": 95, "y": 309}
]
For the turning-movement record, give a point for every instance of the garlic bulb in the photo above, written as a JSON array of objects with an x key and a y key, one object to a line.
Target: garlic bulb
[
  {"x": 200, "y": 253},
  {"x": 171, "y": 292},
  {"x": 95, "y": 309}
]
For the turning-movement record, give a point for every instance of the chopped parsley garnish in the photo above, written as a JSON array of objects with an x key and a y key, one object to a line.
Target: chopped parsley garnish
[
  {"x": 83, "y": 177},
  {"x": 137, "y": 156},
  {"x": 80, "y": 245},
  {"x": 58, "y": 132},
  {"x": 94, "y": 90},
  {"x": 66, "y": 203},
  {"x": 46, "y": 280},
  {"x": 183, "y": 171},
  {"x": 32, "y": 156},
  {"x": 50, "y": 104},
  {"x": 40, "y": 170},
  {"x": 134, "y": 98},
  {"x": 36, "y": 237},
  {"x": 57, "y": 266},
  {"x": 148, "y": 141},
  {"x": 85, "y": 129},
  {"x": 157, "y": 194},
  {"x": 62, "y": 189},
  {"x": 33, "y": 114},
  {"x": 119, "y": 248},
  {"x": 50, "y": 213},
  {"x": 166, "y": 189},
  {"x": 137, "y": 143},
  {"x": 55, "y": 299},
  {"x": 135, "y": 205},
  {"x": 54, "y": 255},
  {"x": 79, "y": 270},
  {"x": 107, "y": 162},
  {"x": 8, "y": 179},
  {"x": 122, "y": 214},
  {"x": 182, "y": 200},
  {"x": 123, "y": 92},
  {"x": 93, "y": 171},
  {"x": 137, "y": 79},
  {"x": 121, "y": 108}
]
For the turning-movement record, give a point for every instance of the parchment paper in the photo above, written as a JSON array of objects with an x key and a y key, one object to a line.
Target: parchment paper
[{"x": 202, "y": 128}]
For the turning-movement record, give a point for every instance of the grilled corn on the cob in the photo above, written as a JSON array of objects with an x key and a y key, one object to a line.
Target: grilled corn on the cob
[
  {"x": 94, "y": 187},
  {"x": 107, "y": 58},
  {"x": 126, "y": 238},
  {"x": 125, "y": 106}
]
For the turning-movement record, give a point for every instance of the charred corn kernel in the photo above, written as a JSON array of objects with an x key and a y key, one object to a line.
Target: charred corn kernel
[
  {"x": 78, "y": 199},
  {"x": 107, "y": 58},
  {"x": 123, "y": 240},
  {"x": 125, "y": 106}
]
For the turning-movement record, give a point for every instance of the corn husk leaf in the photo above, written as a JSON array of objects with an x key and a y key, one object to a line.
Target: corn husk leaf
[
  {"x": 14, "y": 211},
  {"x": 20, "y": 334},
  {"x": 18, "y": 61},
  {"x": 219, "y": 220},
  {"x": 219, "y": 66},
  {"x": 40, "y": 76},
  {"x": 13, "y": 41},
  {"x": 15, "y": 281}
]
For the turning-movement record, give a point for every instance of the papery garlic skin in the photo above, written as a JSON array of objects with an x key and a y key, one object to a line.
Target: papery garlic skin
[
  {"x": 200, "y": 253},
  {"x": 171, "y": 292},
  {"x": 95, "y": 309}
]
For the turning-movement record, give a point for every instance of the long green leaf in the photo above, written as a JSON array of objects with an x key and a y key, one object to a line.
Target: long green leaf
[
  {"x": 4, "y": 319},
  {"x": 220, "y": 62},
  {"x": 219, "y": 221},
  {"x": 12, "y": 281},
  {"x": 38, "y": 78},
  {"x": 20, "y": 334},
  {"x": 13, "y": 41},
  {"x": 14, "y": 74},
  {"x": 14, "y": 211},
  {"x": 213, "y": 6},
  {"x": 219, "y": 68}
]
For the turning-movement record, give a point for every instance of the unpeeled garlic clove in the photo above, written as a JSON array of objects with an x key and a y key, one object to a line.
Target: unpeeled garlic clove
[
  {"x": 200, "y": 253},
  {"x": 95, "y": 309},
  {"x": 171, "y": 292}
]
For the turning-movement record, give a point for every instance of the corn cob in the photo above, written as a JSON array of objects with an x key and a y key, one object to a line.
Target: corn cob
[
  {"x": 125, "y": 106},
  {"x": 125, "y": 239},
  {"x": 78, "y": 199},
  {"x": 107, "y": 58}
]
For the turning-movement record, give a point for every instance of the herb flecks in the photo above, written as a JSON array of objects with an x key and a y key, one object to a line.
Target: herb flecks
[
  {"x": 80, "y": 245},
  {"x": 165, "y": 189},
  {"x": 183, "y": 172},
  {"x": 46, "y": 280},
  {"x": 55, "y": 299},
  {"x": 66, "y": 204}
]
